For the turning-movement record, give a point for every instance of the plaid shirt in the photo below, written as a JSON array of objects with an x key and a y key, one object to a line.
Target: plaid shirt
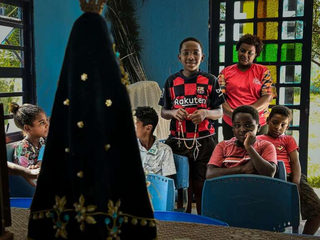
[{"x": 200, "y": 91}]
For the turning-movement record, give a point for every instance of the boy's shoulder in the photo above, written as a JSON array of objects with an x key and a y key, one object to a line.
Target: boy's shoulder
[
  {"x": 207, "y": 75},
  {"x": 174, "y": 76}
]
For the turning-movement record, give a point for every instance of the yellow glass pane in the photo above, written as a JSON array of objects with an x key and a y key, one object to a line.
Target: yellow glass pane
[
  {"x": 240, "y": 29},
  {"x": 268, "y": 30},
  {"x": 268, "y": 9},
  {"x": 273, "y": 72},
  {"x": 248, "y": 7},
  {"x": 243, "y": 9}
]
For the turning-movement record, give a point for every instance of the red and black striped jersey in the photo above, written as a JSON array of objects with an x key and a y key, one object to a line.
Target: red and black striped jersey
[{"x": 200, "y": 91}]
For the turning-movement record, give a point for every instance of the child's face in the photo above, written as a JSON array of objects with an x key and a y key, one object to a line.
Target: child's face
[
  {"x": 141, "y": 131},
  {"x": 191, "y": 56},
  {"x": 243, "y": 123},
  {"x": 40, "y": 126},
  {"x": 277, "y": 125}
]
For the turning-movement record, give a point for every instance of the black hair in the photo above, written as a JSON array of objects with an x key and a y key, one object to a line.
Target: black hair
[
  {"x": 190, "y": 39},
  {"x": 282, "y": 110},
  {"x": 251, "y": 40},
  {"x": 24, "y": 114},
  {"x": 246, "y": 109},
  {"x": 147, "y": 115}
]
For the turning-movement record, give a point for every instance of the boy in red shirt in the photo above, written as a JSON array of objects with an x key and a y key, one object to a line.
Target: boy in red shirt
[
  {"x": 287, "y": 151},
  {"x": 244, "y": 153}
]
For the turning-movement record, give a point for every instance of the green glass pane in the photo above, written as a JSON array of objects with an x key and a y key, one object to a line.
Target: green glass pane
[
  {"x": 291, "y": 52},
  {"x": 268, "y": 8},
  {"x": 269, "y": 53},
  {"x": 222, "y": 53},
  {"x": 10, "y": 36},
  {"x": 240, "y": 29},
  {"x": 9, "y": 85},
  {"x": 243, "y": 9},
  {"x": 235, "y": 54},
  {"x": 268, "y": 30},
  {"x": 11, "y": 58},
  {"x": 289, "y": 95}
]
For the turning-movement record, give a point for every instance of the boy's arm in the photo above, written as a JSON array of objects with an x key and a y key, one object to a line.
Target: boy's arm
[
  {"x": 179, "y": 114},
  {"x": 28, "y": 174},
  {"x": 227, "y": 110},
  {"x": 214, "y": 171},
  {"x": 295, "y": 167},
  {"x": 262, "y": 166},
  {"x": 263, "y": 102}
]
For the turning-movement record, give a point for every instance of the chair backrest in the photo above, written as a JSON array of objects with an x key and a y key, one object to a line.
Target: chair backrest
[
  {"x": 186, "y": 217},
  {"x": 161, "y": 190},
  {"x": 281, "y": 171},
  {"x": 17, "y": 185},
  {"x": 252, "y": 201},
  {"x": 181, "y": 179}
]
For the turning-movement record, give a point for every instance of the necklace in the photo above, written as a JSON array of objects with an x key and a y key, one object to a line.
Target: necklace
[{"x": 180, "y": 131}]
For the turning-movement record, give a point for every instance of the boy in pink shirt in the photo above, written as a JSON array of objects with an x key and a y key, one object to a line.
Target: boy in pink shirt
[
  {"x": 243, "y": 154},
  {"x": 287, "y": 151}
]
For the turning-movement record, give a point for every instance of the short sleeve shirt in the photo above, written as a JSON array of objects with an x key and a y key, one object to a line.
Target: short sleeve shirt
[
  {"x": 200, "y": 91},
  {"x": 26, "y": 154},
  {"x": 245, "y": 88},
  {"x": 227, "y": 154},
  {"x": 284, "y": 145},
  {"x": 158, "y": 159}
]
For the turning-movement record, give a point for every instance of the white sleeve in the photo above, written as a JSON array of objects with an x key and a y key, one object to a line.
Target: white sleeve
[{"x": 168, "y": 166}]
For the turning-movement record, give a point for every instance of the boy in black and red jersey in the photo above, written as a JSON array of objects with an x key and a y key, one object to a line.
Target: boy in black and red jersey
[{"x": 192, "y": 100}]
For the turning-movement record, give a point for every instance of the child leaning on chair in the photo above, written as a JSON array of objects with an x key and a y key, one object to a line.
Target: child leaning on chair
[{"x": 260, "y": 154}]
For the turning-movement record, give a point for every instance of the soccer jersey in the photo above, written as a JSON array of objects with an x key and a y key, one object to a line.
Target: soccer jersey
[
  {"x": 227, "y": 154},
  {"x": 200, "y": 91},
  {"x": 284, "y": 145},
  {"x": 245, "y": 88}
]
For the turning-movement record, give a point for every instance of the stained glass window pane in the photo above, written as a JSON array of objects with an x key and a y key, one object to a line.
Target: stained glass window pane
[
  {"x": 291, "y": 52},
  {"x": 240, "y": 29},
  {"x": 220, "y": 68},
  {"x": 294, "y": 134},
  {"x": 223, "y": 10},
  {"x": 292, "y": 30},
  {"x": 268, "y": 8},
  {"x": 10, "y": 36},
  {"x": 222, "y": 34},
  {"x": 243, "y": 9},
  {"x": 268, "y": 30},
  {"x": 11, "y": 58},
  {"x": 290, "y": 74},
  {"x": 295, "y": 117},
  {"x": 269, "y": 53},
  {"x": 10, "y": 12},
  {"x": 6, "y": 100},
  {"x": 10, "y": 85},
  {"x": 273, "y": 72},
  {"x": 293, "y": 8},
  {"x": 222, "y": 53},
  {"x": 289, "y": 96}
]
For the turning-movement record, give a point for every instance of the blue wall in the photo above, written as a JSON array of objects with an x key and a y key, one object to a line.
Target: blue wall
[
  {"x": 53, "y": 20},
  {"x": 164, "y": 23}
]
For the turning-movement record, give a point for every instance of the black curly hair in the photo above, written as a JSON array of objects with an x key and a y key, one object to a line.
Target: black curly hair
[
  {"x": 193, "y": 39},
  {"x": 251, "y": 40},
  {"x": 282, "y": 110},
  {"x": 24, "y": 114},
  {"x": 147, "y": 115},
  {"x": 246, "y": 109}
]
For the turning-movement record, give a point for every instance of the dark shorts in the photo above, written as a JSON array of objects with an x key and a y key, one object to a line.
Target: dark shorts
[
  {"x": 309, "y": 200},
  {"x": 198, "y": 167}
]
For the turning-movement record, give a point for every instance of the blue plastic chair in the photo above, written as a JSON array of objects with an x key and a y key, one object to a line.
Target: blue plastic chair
[
  {"x": 187, "y": 217},
  {"x": 281, "y": 171},
  {"x": 252, "y": 201},
  {"x": 161, "y": 190},
  {"x": 20, "y": 202},
  {"x": 18, "y": 186},
  {"x": 181, "y": 180}
]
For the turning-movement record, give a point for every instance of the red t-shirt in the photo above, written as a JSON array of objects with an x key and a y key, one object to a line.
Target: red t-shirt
[
  {"x": 284, "y": 146},
  {"x": 227, "y": 154},
  {"x": 245, "y": 88}
]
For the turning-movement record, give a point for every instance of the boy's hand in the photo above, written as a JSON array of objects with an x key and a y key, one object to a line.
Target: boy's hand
[
  {"x": 180, "y": 114},
  {"x": 30, "y": 175},
  {"x": 248, "y": 168},
  {"x": 198, "y": 116},
  {"x": 250, "y": 140}
]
